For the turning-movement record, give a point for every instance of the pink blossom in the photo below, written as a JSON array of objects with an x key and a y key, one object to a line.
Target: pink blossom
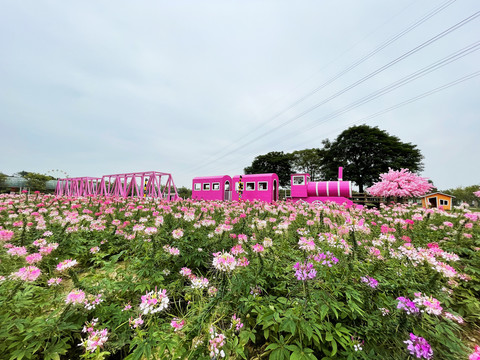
[
  {"x": 29, "y": 273},
  {"x": 18, "y": 251},
  {"x": 154, "y": 301},
  {"x": 402, "y": 183},
  {"x": 135, "y": 323},
  {"x": 257, "y": 248},
  {"x": 66, "y": 264},
  {"x": 54, "y": 281},
  {"x": 176, "y": 324},
  {"x": 177, "y": 234},
  {"x": 6, "y": 235},
  {"x": 224, "y": 261},
  {"x": 75, "y": 297},
  {"x": 476, "y": 353},
  {"x": 33, "y": 258}
]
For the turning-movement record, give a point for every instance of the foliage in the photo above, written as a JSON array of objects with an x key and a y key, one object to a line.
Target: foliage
[
  {"x": 308, "y": 161},
  {"x": 365, "y": 152},
  {"x": 273, "y": 162},
  {"x": 149, "y": 279},
  {"x": 464, "y": 194},
  {"x": 3, "y": 177},
  {"x": 36, "y": 181},
  {"x": 184, "y": 192},
  {"x": 401, "y": 184}
]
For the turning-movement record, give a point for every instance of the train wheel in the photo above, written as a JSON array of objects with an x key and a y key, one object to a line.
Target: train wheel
[{"x": 317, "y": 202}]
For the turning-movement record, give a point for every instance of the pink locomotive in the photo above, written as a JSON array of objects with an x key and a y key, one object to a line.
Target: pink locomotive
[{"x": 265, "y": 187}]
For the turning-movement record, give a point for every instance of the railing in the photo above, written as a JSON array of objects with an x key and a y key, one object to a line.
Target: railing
[{"x": 366, "y": 199}]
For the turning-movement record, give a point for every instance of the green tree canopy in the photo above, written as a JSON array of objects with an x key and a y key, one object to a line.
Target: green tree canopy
[
  {"x": 365, "y": 152},
  {"x": 36, "y": 181},
  {"x": 274, "y": 162},
  {"x": 308, "y": 161},
  {"x": 3, "y": 177},
  {"x": 464, "y": 194}
]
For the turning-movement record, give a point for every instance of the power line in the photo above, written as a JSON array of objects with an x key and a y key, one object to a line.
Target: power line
[
  {"x": 386, "y": 43},
  {"x": 358, "y": 82},
  {"x": 404, "y": 103},
  {"x": 393, "y": 86},
  {"x": 418, "y": 97}
]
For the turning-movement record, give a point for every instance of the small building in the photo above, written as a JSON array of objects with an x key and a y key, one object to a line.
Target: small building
[{"x": 438, "y": 199}]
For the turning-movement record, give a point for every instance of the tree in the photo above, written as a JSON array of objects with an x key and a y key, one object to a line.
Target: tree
[
  {"x": 364, "y": 152},
  {"x": 464, "y": 194},
  {"x": 184, "y": 192},
  {"x": 273, "y": 162},
  {"x": 401, "y": 184},
  {"x": 37, "y": 182},
  {"x": 3, "y": 177},
  {"x": 308, "y": 161}
]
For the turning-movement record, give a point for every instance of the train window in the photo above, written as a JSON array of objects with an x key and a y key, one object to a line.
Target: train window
[
  {"x": 250, "y": 186},
  {"x": 206, "y": 186},
  {"x": 227, "y": 185},
  {"x": 299, "y": 180},
  {"x": 216, "y": 186},
  {"x": 198, "y": 186},
  {"x": 262, "y": 185}
]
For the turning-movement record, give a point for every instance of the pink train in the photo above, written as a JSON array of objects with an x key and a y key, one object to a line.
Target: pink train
[{"x": 264, "y": 187}]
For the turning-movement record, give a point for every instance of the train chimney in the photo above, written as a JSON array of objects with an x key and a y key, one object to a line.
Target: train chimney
[{"x": 340, "y": 173}]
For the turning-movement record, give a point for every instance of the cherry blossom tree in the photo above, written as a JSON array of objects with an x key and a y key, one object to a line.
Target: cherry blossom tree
[
  {"x": 477, "y": 193},
  {"x": 400, "y": 183}
]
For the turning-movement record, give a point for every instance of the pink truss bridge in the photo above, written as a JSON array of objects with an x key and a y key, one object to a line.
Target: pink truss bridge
[
  {"x": 137, "y": 184},
  {"x": 80, "y": 186},
  {"x": 140, "y": 184}
]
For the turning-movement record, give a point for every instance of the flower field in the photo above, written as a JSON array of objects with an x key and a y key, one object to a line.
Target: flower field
[{"x": 115, "y": 278}]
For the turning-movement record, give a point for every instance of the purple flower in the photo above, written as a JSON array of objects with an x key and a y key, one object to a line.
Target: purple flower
[
  {"x": 370, "y": 281},
  {"x": 407, "y": 305},
  {"x": 419, "y": 347},
  {"x": 304, "y": 271}
]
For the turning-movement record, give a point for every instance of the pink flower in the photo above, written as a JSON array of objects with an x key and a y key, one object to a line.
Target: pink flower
[
  {"x": 154, "y": 301},
  {"x": 177, "y": 325},
  {"x": 6, "y": 235},
  {"x": 66, "y": 264},
  {"x": 476, "y": 353},
  {"x": 177, "y": 234},
  {"x": 400, "y": 183},
  {"x": 137, "y": 322},
  {"x": 18, "y": 251},
  {"x": 33, "y": 258},
  {"x": 257, "y": 248},
  {"x": 29, "y": 273},
  {"x": 243, "y": 262},
  {"x": 94, "y": 250},
  {"x": 224, "y": 261},
  {"x": 75, "y": 297},
  {"x": 54, "y": 281}
]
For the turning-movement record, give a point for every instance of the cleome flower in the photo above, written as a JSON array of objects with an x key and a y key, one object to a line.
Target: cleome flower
[
  {"x": 154, "y": 301},
  {"x": 224, "y": 261}
]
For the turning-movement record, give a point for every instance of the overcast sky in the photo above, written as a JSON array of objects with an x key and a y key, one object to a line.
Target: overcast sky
[{"x": 198, "y": 88}]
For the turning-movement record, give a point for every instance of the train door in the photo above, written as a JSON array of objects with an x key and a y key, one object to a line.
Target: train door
[
  {"x": 275, "y": 192},
  {"x": 228, "y": 193}
]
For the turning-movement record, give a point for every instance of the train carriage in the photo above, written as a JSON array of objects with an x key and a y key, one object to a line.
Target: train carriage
[
  {"x": 262, "y": 187},
  {"x": 212, "y": 188}
]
